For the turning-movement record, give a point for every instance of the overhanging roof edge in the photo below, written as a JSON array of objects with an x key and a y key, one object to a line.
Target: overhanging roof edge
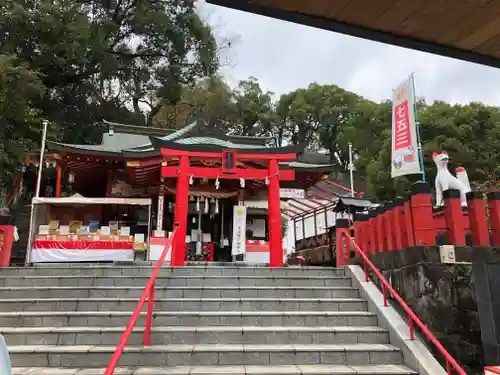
[{"x": 360, "y": 32}]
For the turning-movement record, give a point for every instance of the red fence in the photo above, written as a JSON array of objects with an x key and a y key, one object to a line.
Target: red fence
[{"x": 413, "y": 222}]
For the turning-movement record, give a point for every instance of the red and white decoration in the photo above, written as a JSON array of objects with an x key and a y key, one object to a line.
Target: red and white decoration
[
  {"x": 404, "y": 131},
  {"x": 47, "y": 251}
]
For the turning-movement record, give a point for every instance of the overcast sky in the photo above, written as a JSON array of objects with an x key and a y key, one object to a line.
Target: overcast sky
[{"x": 285, "y": 56}]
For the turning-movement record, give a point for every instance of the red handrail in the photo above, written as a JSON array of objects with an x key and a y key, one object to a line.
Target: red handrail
[
  {"x": 148, "y": 294},
  {"x": 412, "y": 317}
]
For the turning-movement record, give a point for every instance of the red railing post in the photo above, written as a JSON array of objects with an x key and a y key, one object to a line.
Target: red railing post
[
  {"x": 455, "y": 223},
  {"x": 421, "y": 208},
  {"x": 147, "y": 294},
  {"x": 398, "y": 220},
  {"x": 149, "y": 316},
  {"x": 494, "y": 211},
  {"x": 343, "y": 254},
  {"x": 478, "y": 220}
]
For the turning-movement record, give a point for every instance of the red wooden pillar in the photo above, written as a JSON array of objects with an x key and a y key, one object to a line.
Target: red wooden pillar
[
  {"x": 477, "y": 219},
  {"x": 380, "y": 229},
  {"x": 363, "y": 235},
  {"x": 399, "y": 221},
  {"x": 274, "y": 214},
  {"x": 372, "y": 222},
  {"x": 342, "y": 249},
  {"x": 389, "y": 226},
  {"x": 494, "y": 211},
  {"x": 58, "y": 181},
  {"x": 454, "y": 217},
  {"x": 422, "y": 220},
  {"x": 366, "y": 235},
  {"x": 358, "y": 230},
  {"x": 408, "y": 238},
  {"x": 181, "y": 211}
]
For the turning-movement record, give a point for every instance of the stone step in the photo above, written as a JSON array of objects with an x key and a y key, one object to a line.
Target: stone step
[
  {"x": 180, "y": 292},
  {"x": 187, "y": 318},
  {"x": 184, "y": 304},
  {"x": 138, "y": 270},
  {"x": 88, "y": 280},
  {"x": 232, "y": 370},
  {"x": 271, "y": 335},
  {"x": 204, "y": 355}
]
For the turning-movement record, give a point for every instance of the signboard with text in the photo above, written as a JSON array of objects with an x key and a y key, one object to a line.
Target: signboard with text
[
  {"x": 404, "y": 159},
  {"x": 239, "y": 230}
]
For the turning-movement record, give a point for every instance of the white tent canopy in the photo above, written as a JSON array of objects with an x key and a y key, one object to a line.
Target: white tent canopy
[
  {"x": 78, "y": 199},
  {"x": 39, "y": 213}
]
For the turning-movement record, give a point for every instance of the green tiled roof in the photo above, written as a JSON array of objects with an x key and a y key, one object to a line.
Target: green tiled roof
[
  {"x": 213, "y": 141},
  {"x": 136, "y": 142}
]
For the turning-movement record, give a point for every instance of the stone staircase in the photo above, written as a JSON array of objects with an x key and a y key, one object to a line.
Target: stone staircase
[{"x": 67, "y": 320}]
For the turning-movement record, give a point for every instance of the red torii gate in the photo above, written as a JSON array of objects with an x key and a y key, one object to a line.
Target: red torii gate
[{"x": 229, "y": 170}]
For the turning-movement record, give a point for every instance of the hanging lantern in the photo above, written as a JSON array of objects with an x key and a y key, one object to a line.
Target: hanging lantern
[
  {"x": 198, "y": 204},
  {"x": 71, "y": 178},
  {"x": 216, "y": 206},
  {"x": 206, "y": 206}
]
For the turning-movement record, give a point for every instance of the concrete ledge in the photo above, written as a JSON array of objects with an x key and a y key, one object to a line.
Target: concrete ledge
[{"x": 416, "y": 354}]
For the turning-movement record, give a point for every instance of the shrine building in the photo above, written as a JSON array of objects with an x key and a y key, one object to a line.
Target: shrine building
[{"x": 197, "y": 177}]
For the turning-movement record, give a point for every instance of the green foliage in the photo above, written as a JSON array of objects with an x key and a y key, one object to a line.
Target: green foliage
[
  {"x": 98, "y": 57},
  {"x": 327, "y": 118},
  {"x": 77, "y": 62},
  {"x": 19, "y": 119}
]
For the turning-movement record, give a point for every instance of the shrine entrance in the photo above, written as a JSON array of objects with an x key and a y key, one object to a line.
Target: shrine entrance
[{"x": 232, "y": 167}]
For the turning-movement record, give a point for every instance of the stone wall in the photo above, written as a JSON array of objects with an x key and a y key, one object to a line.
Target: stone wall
[{"x": 442, "y": 296}]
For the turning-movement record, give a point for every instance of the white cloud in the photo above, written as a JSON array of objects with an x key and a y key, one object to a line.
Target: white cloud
[{"x": 286, "y": 56}]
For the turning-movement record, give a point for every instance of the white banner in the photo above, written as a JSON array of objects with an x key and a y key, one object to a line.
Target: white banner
[
  {"x": 239, "y": 230},
  {"x": 159, "y": 215},
  {"x": 405, "y": 158}
]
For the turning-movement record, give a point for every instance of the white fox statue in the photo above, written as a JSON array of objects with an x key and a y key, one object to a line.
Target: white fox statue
[{"x": 446, "y": 181}]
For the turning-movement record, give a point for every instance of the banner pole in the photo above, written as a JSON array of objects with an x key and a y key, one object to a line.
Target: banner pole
[{"x": 417, "y": 127}]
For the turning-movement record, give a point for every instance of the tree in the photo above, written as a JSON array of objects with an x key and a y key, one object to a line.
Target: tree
[
  {"x": 105, "y": 55},
  {"x": 19, "y": 120},
  {"x": 210, "y": 95},
  {"x": 318, "y": 116},
  {"x": 254, "y": 109}
]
